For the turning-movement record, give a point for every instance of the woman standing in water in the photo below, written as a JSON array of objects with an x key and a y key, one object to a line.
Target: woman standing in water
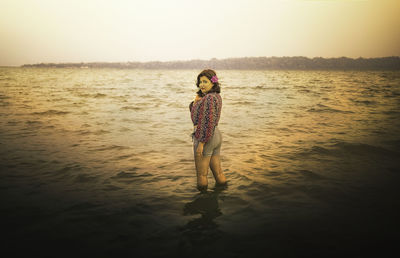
[{"x": 205, "y": 112}]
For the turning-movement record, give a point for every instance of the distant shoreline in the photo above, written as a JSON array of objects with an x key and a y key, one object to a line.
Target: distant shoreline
[{"x": 246, "y": 63}]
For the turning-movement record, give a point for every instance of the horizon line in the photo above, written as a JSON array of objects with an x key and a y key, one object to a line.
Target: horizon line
[{"x": 196, "y": 59}]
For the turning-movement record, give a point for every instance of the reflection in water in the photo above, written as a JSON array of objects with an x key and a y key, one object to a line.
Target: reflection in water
[{"x": 202, "y": 230}]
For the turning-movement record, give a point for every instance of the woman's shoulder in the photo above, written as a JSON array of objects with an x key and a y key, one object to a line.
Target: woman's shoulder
[
  {"x": 213, "y": 95},
  {"x": 216, "y": 97}
]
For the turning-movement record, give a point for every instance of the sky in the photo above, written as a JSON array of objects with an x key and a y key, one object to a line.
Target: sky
[{"x": 36, "y": 31}]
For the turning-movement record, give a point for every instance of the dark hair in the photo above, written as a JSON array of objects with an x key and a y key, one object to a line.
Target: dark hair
[{"x": 209, "y": 74}]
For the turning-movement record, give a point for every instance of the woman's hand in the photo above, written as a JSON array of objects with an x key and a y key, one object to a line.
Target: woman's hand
[
  {"x": 199, "y": 150},
  {"x": 197, "y": 98}
]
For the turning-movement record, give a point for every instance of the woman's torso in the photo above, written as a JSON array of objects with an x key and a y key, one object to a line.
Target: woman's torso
[{"x": 213, "y": 111}]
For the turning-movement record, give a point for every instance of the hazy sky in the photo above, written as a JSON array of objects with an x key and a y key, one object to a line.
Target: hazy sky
[{"x": 35, "y": 31}]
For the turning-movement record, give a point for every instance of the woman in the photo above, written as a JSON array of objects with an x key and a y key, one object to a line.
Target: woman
[{"x": 205, "y": 112}]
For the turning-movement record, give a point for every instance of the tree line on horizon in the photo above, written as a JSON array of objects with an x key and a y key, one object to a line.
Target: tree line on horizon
[{"x": 247, "y": 63}]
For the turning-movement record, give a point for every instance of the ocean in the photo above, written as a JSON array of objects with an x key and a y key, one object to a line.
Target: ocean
[{"x": 99, "y": 162}]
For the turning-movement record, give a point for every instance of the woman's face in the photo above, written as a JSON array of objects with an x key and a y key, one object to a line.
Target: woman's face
[{"x": 205, "y": 84}]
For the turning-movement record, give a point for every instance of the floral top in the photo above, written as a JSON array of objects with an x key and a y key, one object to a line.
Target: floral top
[{"x": 205, "y": 113}]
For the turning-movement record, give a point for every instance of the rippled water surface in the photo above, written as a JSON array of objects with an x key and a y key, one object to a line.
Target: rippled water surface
[{"x": 101, "y": 161}]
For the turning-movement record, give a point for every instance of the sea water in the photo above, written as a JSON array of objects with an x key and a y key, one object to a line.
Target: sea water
[{"x": 100, "y": 162}]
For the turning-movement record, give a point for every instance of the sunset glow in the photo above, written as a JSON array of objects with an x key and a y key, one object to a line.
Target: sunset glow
[{"x": 119, "y": 31}]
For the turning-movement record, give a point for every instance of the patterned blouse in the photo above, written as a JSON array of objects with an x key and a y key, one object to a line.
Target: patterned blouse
[{"x": 205, "y": 114}]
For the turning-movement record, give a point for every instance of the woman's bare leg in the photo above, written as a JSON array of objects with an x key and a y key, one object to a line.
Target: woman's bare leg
[
  {"x": 215, "y": 165},
  {"x": 202, "y": 163}
]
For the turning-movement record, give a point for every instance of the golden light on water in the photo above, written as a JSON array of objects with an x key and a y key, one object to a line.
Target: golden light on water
[{"x": 100, "y": 156}]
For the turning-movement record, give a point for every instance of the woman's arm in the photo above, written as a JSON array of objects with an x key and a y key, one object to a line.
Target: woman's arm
[
  {"x": 199, "y": 150},
  {"x": 196, "y": 99}
]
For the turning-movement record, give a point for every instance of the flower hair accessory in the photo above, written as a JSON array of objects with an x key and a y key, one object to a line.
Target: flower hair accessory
[{"x": 214, "y": 79}]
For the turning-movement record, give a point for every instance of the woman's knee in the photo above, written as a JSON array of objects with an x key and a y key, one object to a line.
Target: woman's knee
[{"x": 202, "y": 161}]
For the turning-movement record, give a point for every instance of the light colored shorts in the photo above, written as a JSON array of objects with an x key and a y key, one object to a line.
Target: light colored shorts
[{"x": 212, "y": 147}]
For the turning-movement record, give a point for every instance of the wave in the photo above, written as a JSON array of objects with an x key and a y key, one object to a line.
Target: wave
[
  {"x": 4, "y": 97},
  {"x": 111, "y": 147},
  {"x": 131, "y": 108},
  {"x": 364, "y": 149},
  {"x": 51, "y": 112},
  {"x": 320, "y": 108},
  {"x": 5, "y": 103},
  {"x": 85, "y": 178},
  {"x": 96, "y": 96},
  {"x": 347, "y": 148},
  {"x": 310, "y": 175},
  {"x": 243, "y": 103},
  {"x": 130, "y": 175},
  {"x": 100, "y": 132},
  {"x": 29, "y": 122},
  {"x": 364, "y": 102}
]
